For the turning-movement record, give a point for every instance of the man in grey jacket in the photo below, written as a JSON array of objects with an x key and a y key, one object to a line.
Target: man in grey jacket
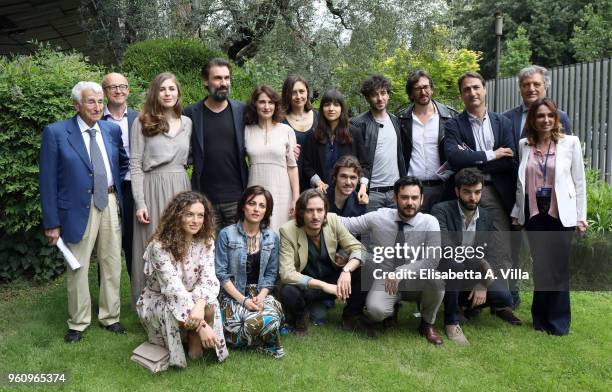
[
  {"x": 422, "y": 133},
  {"x": 380, "y": 132}
]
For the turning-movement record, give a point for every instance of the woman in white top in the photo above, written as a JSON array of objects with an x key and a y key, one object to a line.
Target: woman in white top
[{"x": 551, "y": 205}]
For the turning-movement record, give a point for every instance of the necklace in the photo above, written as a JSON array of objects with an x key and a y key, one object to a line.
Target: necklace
[{"x": 252, "y": 243}]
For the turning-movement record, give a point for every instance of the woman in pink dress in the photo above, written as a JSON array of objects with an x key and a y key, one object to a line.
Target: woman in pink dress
[{"x": 270, "y": 148}]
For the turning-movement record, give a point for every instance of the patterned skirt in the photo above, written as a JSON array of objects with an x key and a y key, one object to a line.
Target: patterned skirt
[{"x": 246, "y": 328}]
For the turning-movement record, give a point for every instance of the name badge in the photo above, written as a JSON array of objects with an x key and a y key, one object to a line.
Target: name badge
[{"x": 544, "y": 192}]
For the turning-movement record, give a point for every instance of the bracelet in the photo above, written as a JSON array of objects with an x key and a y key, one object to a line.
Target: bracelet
[{"x": 245, "y": 299}]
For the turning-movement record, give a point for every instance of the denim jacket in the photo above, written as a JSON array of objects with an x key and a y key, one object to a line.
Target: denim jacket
[{"x": 231, "y": 257}]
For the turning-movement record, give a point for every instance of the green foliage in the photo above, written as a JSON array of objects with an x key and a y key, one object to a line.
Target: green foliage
[
  {"x": 592, "y": 38},
  {"x": 516, "y": 55},
  {"x": 445, "y": 65},
  {"x": 548, "y": 24},
  {"x": 34, "y": 92},
  {"x": 183, "y": 57},
  {"x": 599, "y": 203}
]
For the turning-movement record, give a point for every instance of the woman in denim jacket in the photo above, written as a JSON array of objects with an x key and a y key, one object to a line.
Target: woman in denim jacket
[{"x": 246, "y": 264}]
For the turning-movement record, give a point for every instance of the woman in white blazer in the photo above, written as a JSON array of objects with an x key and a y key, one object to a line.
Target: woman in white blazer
[{"x": 551, "y": 205}]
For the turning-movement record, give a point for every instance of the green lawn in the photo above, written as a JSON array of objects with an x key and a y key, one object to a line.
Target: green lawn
[{"x": 500, "y": 358}]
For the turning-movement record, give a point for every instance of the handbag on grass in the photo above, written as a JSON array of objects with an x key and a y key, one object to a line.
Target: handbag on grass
[{"x": 152, "y": 357}]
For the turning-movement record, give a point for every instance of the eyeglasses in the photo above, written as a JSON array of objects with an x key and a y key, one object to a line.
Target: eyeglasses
[
  {"x": 116, "y": 87},
  {"x": 421, "y": 88}
]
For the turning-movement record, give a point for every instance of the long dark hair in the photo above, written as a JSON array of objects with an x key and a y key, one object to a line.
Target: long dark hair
[
  {"x": 250, "y": 113},
  {"x": 323, "y": 129},
  {"x": 248, "y": 195},
  {"x": 152, "y": 116},
  {"x": 287, "y": 93},
  {"x": 170, "y": 233},
  {"x": 302, "y": 202},
  {"x": 531, "y": 132}
]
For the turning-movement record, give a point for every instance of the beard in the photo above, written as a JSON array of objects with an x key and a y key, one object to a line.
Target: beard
[
  {"x": 219, "y": 94},
  {"x": 468, "y": 206},
  {"x": 407, "y": 213}
]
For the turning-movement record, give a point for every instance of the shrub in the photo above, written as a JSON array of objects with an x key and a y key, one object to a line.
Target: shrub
[
  {"x": 183, "y": 57},
  {"x": 599, "y": 203},
  {"x": 34, "y": 91}
]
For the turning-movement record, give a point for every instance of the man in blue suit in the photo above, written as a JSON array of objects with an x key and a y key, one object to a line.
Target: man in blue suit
[
  {"x": 533, "y": 83},
  {"x": 482, "y": 139},
  {"x": 117, "y": 90},
  {"x": 217, "y": 143},
  {"x": 82, "y": 162}
]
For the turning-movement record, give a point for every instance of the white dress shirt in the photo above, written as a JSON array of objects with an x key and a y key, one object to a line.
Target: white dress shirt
[{"x": 84, "y": 127}]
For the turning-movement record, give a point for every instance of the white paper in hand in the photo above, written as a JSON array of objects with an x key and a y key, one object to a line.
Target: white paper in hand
[{"x": 72, "y": 262}]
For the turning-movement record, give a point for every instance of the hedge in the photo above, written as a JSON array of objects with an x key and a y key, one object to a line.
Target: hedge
[
  {"x": 183, "y": 57},
  {"x": 34, "y": 91}
]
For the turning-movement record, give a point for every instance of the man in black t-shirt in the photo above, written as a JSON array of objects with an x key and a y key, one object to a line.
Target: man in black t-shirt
[{"x": 217, "y": 143}]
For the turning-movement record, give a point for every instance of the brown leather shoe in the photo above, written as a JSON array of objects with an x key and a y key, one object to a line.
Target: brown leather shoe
[
  {"x": 427, "y": 330},
  {"x": 508, "y": 316},
  {"x": 301, "y": 323}
]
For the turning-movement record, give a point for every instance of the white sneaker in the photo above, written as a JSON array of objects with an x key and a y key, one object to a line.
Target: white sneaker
[{"x": 455, "y": 333}]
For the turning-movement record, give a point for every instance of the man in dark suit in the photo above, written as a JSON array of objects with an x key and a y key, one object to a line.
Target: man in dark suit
[
  {"x": 217, "y": 143},
  {"x": 533, "y": 83},
  {"x": 117, "y": 90},
  {"x": 464, "y": 225},
  {"x": 483, "y": 139},
  {"x": 82, "y": 162}
]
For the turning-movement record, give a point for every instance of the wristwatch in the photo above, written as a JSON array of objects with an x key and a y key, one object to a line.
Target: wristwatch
[{"x": 346, "y": 269}]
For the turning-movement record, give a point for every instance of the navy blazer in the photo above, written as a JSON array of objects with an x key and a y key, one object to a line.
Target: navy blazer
[
  {"x": 458, "y": 132},
  {"x": 196, "y": 113},
  {"x": 66, "y": 175},
  {"x": 515, "y": 115}
]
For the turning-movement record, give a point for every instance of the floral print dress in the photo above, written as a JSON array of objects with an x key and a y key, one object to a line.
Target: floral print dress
[{"x": 172, "y": 289}]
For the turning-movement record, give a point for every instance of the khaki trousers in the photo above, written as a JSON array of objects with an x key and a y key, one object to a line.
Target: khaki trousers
[{"x": 104, "y": 232}]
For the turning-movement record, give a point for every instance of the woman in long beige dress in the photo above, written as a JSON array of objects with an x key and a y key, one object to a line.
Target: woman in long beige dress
[
  {"x": 270, "y": 146},
  {"x": 159, "y": 145}
]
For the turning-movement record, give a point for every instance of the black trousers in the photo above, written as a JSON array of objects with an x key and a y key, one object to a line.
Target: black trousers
[
  {"x": 550, "y": 243},
  {"x": 295, "y": 299},
  {"x": 127, "y": 224}
]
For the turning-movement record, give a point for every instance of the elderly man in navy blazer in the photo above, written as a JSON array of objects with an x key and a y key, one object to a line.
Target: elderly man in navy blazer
[
  {"x": 82, "y": 162},
  {"x": 533, "y": 83},
  {"x": 483, "y": 139}
]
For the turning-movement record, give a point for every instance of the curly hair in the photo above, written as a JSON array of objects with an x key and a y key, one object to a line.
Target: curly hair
[
  {"x": 531, "y": 132},
  {"x": 170, "y": 233},
  {"x": 250, "y": 113},
  {"x": 152, "y": 116},
  {"x": 373, "y": 83}
]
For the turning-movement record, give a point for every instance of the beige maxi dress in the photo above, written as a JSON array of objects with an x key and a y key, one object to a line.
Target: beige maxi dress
[
  {"x": 157, "y": 166},
  {"x": 270, "y": 153}
]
